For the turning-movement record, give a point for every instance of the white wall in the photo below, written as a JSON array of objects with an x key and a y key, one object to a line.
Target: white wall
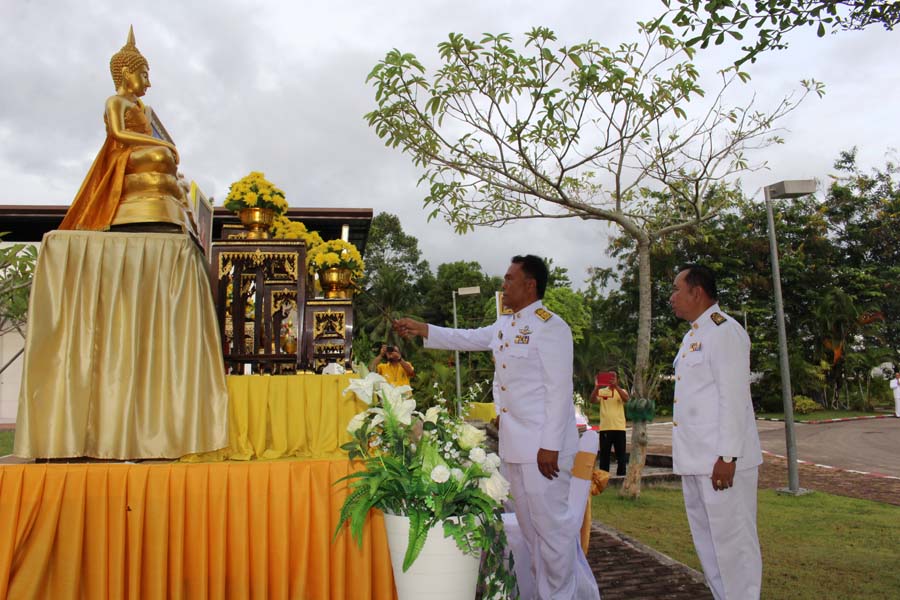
[{"x": 10, "y": 344}]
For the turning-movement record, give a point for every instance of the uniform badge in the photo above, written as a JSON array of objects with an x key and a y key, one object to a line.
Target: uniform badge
[
  {"x": 521, "y": 339},
  {"x": 526, "y": 330},
  {"x": 543, "y": 314},
  {"x": 717, "y": 318},
  {"x": 694, "y": 346}
]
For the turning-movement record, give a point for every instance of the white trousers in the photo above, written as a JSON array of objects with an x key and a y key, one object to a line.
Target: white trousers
[
  {"x": 723, "y": 525},
  {"x": 541, "y": 512},
  {"x": 896, "y": 405}
]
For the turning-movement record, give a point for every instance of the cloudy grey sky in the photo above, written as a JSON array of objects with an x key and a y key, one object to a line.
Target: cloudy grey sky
[{"x": 280, "y": 87}]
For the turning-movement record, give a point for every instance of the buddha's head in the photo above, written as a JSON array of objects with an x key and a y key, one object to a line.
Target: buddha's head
[{"x": 128, "y": 63}]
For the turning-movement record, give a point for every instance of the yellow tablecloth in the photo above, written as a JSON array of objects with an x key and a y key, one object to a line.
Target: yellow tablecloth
[
  {"x": 482, "y": 411},
  {"x": 259, "y": 530},
  {"x": 122, "y": 358},
  {"x": 278, "y": 416}
]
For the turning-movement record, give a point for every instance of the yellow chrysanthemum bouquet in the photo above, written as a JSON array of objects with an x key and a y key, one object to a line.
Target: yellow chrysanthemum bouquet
[
  {"x": 336, "y": 254},
  {"x": 255, "y": 191},
  {"x": 284, "y": 228}
]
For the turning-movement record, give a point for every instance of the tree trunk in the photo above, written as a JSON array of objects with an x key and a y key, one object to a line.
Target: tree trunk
[{"x": 631, "y": 488}]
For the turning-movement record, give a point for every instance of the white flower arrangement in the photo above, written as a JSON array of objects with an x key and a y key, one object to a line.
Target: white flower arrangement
[{"x": 430, "y": 467}]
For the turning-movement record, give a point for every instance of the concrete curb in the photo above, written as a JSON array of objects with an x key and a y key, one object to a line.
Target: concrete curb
[
  {"x": 838, "y": 469},
  {"x": 696, "y": 576},
  {"x": 821, "y": 421}
]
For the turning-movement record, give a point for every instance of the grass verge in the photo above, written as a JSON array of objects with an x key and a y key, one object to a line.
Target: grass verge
[
  {"x": 815, "y": 546},
  {"x": 6, "y": 442}
]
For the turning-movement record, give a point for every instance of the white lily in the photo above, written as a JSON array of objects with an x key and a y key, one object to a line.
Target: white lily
[
  {"x": 401, "y": 406},
  {"x": 431, "y": 415},
  {"x": 356, "y": 422},
  {"x": 364, "y": 388}
]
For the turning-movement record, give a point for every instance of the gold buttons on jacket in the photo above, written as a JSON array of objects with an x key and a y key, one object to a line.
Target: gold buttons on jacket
[
  {"x": 503, "y": 365},
  {"x": 675, "y": 400},
  {"x": 678, "y": 378},
  {"x": 503, "y": 387},
  {"x": 674, "y": 424},
  {"x": 513, "y": 323},
  {"x": 504, "y": 409}
]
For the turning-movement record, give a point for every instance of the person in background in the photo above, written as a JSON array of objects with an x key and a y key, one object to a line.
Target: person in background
[
  {"x": 396, "y": 370},
  {"x": 611, "y": 399},
  {"x": 895, "y": 386}
]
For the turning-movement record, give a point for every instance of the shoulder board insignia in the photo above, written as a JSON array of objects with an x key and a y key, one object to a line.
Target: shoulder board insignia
[
  {"x": 717, "y": 318},
  {"x": 543, "y": 314}
]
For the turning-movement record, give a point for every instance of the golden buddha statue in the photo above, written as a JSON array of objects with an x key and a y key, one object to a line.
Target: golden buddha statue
[{"x": 134, "y": 178}]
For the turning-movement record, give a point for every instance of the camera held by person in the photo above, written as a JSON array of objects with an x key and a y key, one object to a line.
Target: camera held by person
[{"x": 396, "y": 370}]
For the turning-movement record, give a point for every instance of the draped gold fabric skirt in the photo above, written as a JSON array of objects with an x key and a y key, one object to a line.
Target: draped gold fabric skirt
[
  {"x": 251, "y": 530},
  {"x": 122, "y": 358}
]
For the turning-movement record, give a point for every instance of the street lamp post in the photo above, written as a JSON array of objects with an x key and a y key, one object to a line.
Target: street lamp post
[
  {"x": 777, "y": 191},
  {"x": 463, "y": 291}
]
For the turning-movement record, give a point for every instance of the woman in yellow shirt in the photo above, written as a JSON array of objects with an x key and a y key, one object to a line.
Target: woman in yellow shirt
[{"x": 612, "y": 401}]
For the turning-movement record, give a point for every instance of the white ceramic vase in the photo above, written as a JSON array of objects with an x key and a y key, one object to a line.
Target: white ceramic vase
[{"x": 441, "y": 572}]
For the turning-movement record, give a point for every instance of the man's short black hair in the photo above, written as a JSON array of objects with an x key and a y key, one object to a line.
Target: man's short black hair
[
  {"x": 534, "y": 267},
  {"x": 698, "y": 275}
]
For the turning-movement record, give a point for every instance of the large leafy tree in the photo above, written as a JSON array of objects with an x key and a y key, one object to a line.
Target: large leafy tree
[
  {"x": 716, "y": 21},
  {"x": 394, "y": 280},
  {"x": 839, "y": 272},
  {"x": 17, "y": 263},
  {"x": 579, "y": 131}
]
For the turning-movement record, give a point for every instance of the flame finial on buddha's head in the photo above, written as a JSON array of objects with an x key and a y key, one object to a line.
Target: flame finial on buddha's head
[{"x": 129, "y": 56}]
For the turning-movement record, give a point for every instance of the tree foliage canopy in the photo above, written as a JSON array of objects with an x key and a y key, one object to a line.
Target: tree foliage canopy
[{"x": 718, "y": 20}]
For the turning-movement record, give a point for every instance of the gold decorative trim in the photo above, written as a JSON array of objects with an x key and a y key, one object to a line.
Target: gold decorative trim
[
  {"x": 289, "y": 261},
  {"x": 328, "y": 324}
]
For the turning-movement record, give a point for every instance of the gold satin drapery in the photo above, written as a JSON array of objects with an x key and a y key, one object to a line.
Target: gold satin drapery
[
  {"x": 185, "y": 531},
  {"x": 279, "y": 416},
  {"x": 482, "y": 411},
  {"x": 122, "y": 358}
]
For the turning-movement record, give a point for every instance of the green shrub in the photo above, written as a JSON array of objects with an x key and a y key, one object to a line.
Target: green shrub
[{"x": 803, "y": 405}]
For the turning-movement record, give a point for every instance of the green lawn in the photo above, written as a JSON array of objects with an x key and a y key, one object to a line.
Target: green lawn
[
  {"x": 6, "y": 442},
  {"x": 820, "y": 415},
  {"x": 815, "y": 546}
]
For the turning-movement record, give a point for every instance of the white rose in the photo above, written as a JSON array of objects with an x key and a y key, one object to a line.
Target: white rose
[
  {"x": 491, "y": 463},
  {"x": 469, "y": 436},
  {"x": 431, "y": 415},
  {"x": 356, "y": 422},
  {"x": 477, "y": 455},
  {"x": 495, "y": 486},
  {"x": 457, "y": 474},
  {"x": 440, "y": 474}
]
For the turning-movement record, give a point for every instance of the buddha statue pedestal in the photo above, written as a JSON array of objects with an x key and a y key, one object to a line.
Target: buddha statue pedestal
[{"x": 123, "y": 358}]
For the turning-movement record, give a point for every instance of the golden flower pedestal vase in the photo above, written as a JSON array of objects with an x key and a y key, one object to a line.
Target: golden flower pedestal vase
[
  {"x": 336, "y": 282},
  {"x": 257, "y": 222}
]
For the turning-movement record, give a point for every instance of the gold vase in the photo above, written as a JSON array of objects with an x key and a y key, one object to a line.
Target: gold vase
[
  {"x": 335, "y": 282},
  {"x": 257, "y": 222}
]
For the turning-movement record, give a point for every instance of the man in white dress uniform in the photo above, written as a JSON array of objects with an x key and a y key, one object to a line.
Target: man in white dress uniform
[
  {"x": 532, "y": 351},
  {"x": 715, "y": 444}
]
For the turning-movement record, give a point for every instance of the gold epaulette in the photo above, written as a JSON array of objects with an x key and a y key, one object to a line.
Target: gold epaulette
[
  {"x": 717, "y": 318},
  {"x": 543, "y": 315}
]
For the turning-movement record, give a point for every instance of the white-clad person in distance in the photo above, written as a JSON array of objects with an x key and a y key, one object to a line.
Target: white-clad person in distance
[
  {"x": 533, "y": 353},
  {"x": 715, "y": 444}
]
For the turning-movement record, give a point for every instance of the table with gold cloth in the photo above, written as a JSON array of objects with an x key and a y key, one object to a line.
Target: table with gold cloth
[
  {"x": 284, "y": 416},
  {"x": 216, "y": 529},
  {"x": 122, "y": 357}
]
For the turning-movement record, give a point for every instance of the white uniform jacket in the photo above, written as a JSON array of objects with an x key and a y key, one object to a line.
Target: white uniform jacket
[
  {"x": 532, "y": 379},
  {"x": 712, "y": 411}
]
